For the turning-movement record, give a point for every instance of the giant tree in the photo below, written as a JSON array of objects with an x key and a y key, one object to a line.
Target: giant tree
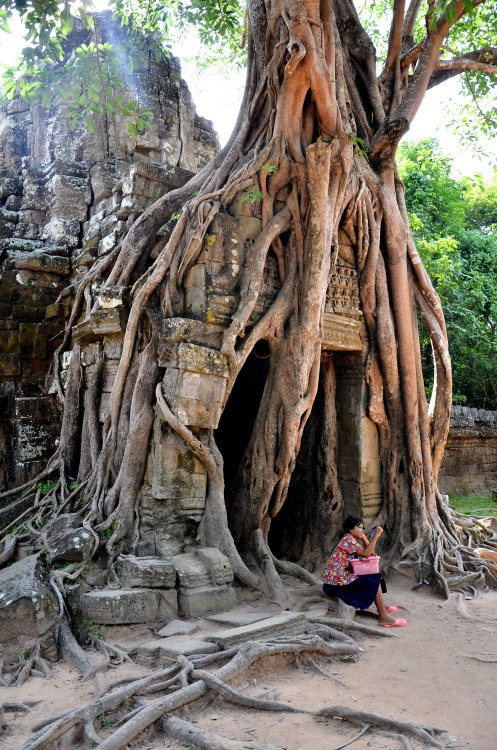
[{"x": 315, "y": 143}]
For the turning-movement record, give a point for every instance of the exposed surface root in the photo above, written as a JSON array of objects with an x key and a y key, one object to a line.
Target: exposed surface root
[
  {"x": 203, "y": 739},
  {"x": 183, "y": 683}
]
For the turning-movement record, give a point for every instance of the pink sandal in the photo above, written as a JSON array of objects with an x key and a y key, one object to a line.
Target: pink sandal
[
  {"x": 397, "y": 624},
  {"x": 391, "y": 609}
]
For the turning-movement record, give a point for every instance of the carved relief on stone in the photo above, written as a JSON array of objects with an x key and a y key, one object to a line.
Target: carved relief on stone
[{"x": 343, "y": 326}]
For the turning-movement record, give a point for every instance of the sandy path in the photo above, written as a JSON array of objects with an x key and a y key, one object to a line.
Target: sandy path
[{"x": 423, "y": 674}]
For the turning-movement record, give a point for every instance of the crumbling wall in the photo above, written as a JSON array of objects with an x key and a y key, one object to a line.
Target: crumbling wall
[
  {"x": 470, "y": 460},
  {"x": 66, "y": 199}
]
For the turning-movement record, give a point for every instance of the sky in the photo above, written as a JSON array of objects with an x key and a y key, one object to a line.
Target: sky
[{"x": 217, "y": 98}]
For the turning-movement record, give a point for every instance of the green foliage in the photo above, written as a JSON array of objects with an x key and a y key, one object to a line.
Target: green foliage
[
  {"x": 360, "y": 144},
  {"x": 269, "y": 168},
  {"x": 454, "y": 225},
  {"x": 45, "y": 487},
  {"x": 106, "y": 533},
  {"x": 252, "y": 196},
  {"x": 481, "y": 505},
  {"x": 92, "y": 79}
]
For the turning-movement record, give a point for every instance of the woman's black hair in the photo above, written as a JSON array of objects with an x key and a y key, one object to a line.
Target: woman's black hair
[{"x": 350, "y": 523}]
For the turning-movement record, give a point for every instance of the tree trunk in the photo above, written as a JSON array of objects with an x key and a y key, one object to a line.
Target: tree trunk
[{"x": 314, "y": 152}]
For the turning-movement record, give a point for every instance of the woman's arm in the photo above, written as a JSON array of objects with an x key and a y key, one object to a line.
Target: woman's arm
[{"x": 370, "y": 545}]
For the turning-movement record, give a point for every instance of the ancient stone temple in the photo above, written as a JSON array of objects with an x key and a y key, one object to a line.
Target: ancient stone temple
[{"x": 66, "y": 199}]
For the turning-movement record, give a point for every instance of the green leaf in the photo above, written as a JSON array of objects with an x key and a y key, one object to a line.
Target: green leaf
[
  {"x": 90, "y": 123},
  {"x": 132, "y": 130}
]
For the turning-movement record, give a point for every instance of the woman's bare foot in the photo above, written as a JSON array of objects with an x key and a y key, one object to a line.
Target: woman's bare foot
[{"x": 386, "y": 619}]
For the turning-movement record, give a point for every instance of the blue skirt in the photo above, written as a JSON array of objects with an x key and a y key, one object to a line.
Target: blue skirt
[{"x": 361, "y": 593}]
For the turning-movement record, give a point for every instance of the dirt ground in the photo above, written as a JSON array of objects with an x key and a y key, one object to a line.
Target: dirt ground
[{"x": 440, "y": 670}]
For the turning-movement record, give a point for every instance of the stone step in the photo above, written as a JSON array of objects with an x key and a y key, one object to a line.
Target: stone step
[
  {"x": 129, "y": 606},
  {"x": 287, "y": 624},
  {"x": 177, "y": 627},
  {"x": 237, "y": 619},
  {"x": 206, "y": 600},
  {"x": 159, "y": 653},
  {"x": 148, "y": 572}
]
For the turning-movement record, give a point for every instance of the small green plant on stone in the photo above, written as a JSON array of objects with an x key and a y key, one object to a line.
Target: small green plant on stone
[
  {"x": 269, "y": 168},
  {"x": 360, "y": 145},
  {"x": 106, "y": 533},
  {"x": 252, "y": 196},
  {"x": 45, "y": 487}
]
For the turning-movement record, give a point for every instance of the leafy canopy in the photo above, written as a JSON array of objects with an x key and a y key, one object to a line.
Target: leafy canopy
[
  {"x": 454, "y": 224},
  {"x": 91, "y": 78}
]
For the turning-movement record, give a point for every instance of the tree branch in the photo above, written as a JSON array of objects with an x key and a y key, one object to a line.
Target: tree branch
[
  {"x": 395, "y": 37},
  {"x": 483, "y": 60},
  {"x": 410, "y": 17}
]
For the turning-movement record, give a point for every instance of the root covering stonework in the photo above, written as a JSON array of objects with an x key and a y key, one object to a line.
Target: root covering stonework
[{"x": 310, "y": 169}]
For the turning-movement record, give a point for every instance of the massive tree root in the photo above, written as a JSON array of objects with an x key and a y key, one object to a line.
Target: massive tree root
[
  {"x": 312, "y": 99},
  {"x": 131, "y": 711}
]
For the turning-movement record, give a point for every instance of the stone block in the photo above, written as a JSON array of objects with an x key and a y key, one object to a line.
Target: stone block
[
  {"x": 170, "y": 458},
  {"x": 6, "y": 215},
  {"x": 9, "y": 342},
  {"x": 36, "y": 407},
  {"x": 39, "y": 261},
  {"x": 177, "y": 627},
  {"x": 178, "y": 484},
  {"x": 128, "y": 606},
  {"x": 286, "y": 624},
  {"x": 195, "y": 358},
  {"x": 32, "y": 341},
  {"x": 196, "y": 302},
  {"x": 217, "y": 564},
  {"x": 192, "y": 571},
  {"x": 104, "y": 177},
  {"x": 34, "y": 440},
  {"x": 100, "y": 323},
  {"x": 66, "y": 539},
  {"x": 108, "y": 243},
  {"x": 206, "y": 600},
  {"x": 198, "y": 413},
  {"x": 28, "y": 606},
  {"x": 104, "y": 406},
  {"x": 148, "y": 572},
  {"x": 110, "y": 372},
  {"x": 341, "y": 333},
  {"x": 10, "y": 365},
  {"x": 202, "y": 387},
  {"x": 57, "y": 310},
  {"x": 62, "y": 230},
  {"x": 191, "y": 330},
  {"x": 228, "y": 236},
  {"x": 238, "y": 619},
  {"x": 112, "y": 296},
  {"x": 219, "y": 308},
  {"x": 113, "y": 345},
  {"x": 37, "y": 279},
  {"x": 159, "y": 653}
]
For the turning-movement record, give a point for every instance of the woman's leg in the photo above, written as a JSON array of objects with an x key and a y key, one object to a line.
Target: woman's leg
[{"x": 384, "y": 617}]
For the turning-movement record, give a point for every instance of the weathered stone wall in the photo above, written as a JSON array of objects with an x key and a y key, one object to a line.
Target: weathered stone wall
[
  {"x": 66, "y": 198},
  {"x": 470, "y": 460}
]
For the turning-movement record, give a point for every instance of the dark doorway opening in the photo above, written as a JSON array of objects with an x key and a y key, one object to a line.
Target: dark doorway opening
[
  {"x": 237, "y": 421},
  {"x": 288, "y": 531}
]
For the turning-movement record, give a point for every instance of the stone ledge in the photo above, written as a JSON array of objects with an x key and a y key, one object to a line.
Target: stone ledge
[
  {"x": 129, "y": 606},
  {"x": 285, "y": 624}
]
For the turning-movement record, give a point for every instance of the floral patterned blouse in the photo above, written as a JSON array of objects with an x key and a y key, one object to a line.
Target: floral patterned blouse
[{"x": 338, "y": 571}]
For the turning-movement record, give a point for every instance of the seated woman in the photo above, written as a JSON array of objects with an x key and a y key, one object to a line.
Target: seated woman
[{"x": 357, "y": 591}]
